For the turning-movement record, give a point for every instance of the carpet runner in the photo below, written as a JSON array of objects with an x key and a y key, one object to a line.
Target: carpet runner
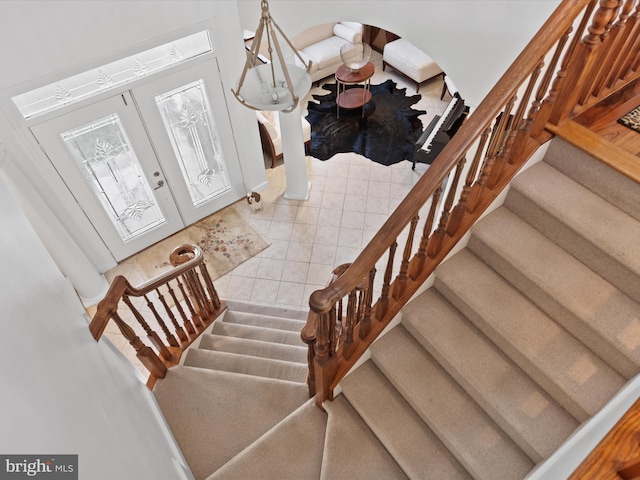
[{"x": 517, "y": 343}]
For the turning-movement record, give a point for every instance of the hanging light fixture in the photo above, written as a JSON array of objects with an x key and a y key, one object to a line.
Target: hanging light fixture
[{"x": 274, "y": 85}]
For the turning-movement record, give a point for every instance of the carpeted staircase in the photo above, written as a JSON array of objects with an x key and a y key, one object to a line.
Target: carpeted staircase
[{"x": 526, "y": 333}]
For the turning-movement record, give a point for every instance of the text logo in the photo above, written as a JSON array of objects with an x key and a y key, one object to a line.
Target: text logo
[{"x": 45, "y": 467}]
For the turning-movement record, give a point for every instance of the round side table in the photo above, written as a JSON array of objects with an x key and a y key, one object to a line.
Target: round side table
[{"x": 356, "y": 97}]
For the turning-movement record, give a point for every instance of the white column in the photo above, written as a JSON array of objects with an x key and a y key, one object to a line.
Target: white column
[
  {"x": 72, "y": 262},
  {"x": 295, "y": 164}
]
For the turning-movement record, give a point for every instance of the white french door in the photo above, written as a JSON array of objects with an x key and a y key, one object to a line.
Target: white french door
[
  {"x": 148, "y": 162},
  {"x": 187, "y": 120}
]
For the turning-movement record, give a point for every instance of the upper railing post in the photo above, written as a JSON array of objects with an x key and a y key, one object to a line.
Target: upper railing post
[{"x": 582, "y": 63}]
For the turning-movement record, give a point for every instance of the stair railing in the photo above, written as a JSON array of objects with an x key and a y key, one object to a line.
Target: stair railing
[
  {"x": 171, "y": 309},
  {"x": 470, "y": 172}
]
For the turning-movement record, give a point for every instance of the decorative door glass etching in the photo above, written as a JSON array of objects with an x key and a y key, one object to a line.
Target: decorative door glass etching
[
  {"x": 110, "y": 166},
  {"x": 187, "y": 117}
]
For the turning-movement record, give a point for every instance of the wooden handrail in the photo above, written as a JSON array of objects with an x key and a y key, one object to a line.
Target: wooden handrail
[
  {"x": 498, "y": 138},
  {"x": 329, "y": 364},
  {"x": 197, "y": 305}
]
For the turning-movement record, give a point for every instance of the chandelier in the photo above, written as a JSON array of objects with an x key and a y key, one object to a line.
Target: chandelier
[{"x": 274, "y": 85}]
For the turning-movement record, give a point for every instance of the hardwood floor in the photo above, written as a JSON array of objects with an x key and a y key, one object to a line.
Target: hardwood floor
[
  {"x": 602, "y": 119},
  {"x": 597, "y": 131}
]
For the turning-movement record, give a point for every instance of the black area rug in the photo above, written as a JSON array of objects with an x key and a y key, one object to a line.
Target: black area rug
[
  {"x": 386, "y": 135},
  {"x": 631, "y": 119}
]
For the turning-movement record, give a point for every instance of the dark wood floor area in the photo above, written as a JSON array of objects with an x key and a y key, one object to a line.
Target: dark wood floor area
[
  {"x": 602, "y": 119},
  {"x": 597, "y": 131}
]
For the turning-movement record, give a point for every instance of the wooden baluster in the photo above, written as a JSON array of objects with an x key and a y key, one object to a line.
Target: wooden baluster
[
  {"x": 146, "y": 354},
  {"x": 365, "y": 324},
  {"x": 195, "y": 317},
  {"x": 549, "y": 103},
  {"x": 616, "y": 46},
  {"x": 185, "y": 320},
  {"x": 168, "y": 335},
  {"x": 497, "y": 143},
  {"x": 350, "y": 324},
  {"x": 213, "y": 294},
  {"x": 151, "y": 334},
  {"x": 401, "y": 280},
  {"x": 435, "y": 242},
  {"x": 520, "y": 134},
  {"x": 383, "y": 302},
  {"x": 461, "y": 208},
  {"x": 194, "y": 295},
  {"x": 531, "y": 124},
  {"x": 172, "y": 318},
  {"x": 582, "y": 63},
  {"x": 421, "y": 255},
  {"x": 596, "y": 79},
  {"x": 207, "y": 301},
  {"x": 632, "y": 35},
  {"x": 335, "y": 327}
]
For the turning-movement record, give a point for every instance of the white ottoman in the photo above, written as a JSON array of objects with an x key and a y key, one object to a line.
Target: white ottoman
[{"x": 410, "y": 61}]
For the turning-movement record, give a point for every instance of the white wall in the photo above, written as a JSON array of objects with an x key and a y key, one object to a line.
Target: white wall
[{"x": 63, "y": 393}]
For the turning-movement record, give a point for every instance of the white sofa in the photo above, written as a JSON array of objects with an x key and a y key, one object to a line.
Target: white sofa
[
  {"x": 321, "y": 44},
  {"x": 269, "y": 125},
  {"x": 408, "y": 60}
]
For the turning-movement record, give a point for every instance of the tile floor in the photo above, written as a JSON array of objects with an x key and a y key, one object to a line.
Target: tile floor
[{"x": 350, "y": 198}]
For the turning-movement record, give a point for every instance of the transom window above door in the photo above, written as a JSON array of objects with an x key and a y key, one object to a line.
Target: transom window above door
[{"x": 83, "y": 85}]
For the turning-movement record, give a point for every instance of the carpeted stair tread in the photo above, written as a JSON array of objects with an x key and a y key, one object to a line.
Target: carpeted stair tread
[
  {"x": 290, "y": 313},
  {"x": 593, "y": 230},
  {"x": 480, "y": 446},
  {"x": 247, "y": 365},
  {"x": 257, "y": 333},
  {"x": 416, "y": 449},
  {"x": 255, "y": 348},
  {"x": 598, "y": 177},
  {"x": 596, "y": 312},
  {"x": 351, "y": 450},
  {"x": 214, "y": 415},
  {"x": 567, "y": 370},
  {"x": 515, "y": 402},
  {"x": 265, "y": 321},
  {"x": 292, "y": 449}
]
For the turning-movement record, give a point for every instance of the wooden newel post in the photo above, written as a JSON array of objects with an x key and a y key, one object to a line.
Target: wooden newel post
[
  {"x": 323, "y": 365},
  {"x": 308, "y": 336},
  {"x": 146, "y": 354}
]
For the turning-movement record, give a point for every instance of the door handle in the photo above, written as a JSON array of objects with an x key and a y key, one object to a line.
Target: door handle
[{"x": 160, "y": 184}]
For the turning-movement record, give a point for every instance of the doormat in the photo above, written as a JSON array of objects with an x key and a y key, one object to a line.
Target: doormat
[
  {"x": 226, "y": 239},
  {"x": 386, "y": 135},
  {"x": 631, "y": 119}
]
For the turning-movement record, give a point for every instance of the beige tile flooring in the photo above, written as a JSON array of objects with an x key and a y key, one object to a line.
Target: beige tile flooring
[{"x": 350, "y": 198}]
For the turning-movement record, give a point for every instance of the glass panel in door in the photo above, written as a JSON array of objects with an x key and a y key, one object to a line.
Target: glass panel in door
[
  {"x": 186, "y": 115},
  {"x": 192, "y": 130},
  {"x": 104, "y": 154}
]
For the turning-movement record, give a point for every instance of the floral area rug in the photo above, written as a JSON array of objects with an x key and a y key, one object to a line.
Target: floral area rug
[
  {"x": 225, "y": 237},
  {"x": 386, "y": 135},
  {"x": 631, "y": 119}
]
